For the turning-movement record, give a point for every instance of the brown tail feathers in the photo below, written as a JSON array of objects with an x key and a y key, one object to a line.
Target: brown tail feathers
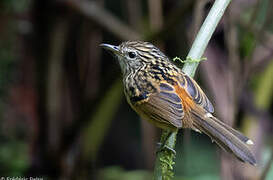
[{"x": 225, "y": 136}]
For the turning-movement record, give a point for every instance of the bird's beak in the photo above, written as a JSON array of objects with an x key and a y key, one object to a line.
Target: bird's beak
[{"x": 112, "y": 48}]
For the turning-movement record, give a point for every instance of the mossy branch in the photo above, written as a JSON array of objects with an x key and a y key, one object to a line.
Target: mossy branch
[{"x": 165, "y": 158}]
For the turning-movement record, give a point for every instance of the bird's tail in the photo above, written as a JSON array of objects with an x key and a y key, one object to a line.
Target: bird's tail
[{"x": 225, "y": 136}]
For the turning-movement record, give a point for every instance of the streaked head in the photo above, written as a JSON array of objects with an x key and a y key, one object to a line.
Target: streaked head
[{"x": 133, "y": 55}]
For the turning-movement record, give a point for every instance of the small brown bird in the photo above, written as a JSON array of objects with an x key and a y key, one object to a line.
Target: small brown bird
[{"x": 168, "y": 98}]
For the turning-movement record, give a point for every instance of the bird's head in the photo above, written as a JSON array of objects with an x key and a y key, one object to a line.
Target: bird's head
[{"x": 133, "y": 55}]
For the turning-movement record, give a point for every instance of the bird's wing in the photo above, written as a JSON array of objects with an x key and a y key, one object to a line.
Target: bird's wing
[
  {"x": 163, "y": 108},
  {"x": 196, "y": 93}
]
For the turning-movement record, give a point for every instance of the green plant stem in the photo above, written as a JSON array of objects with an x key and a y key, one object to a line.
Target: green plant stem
[
  {"x": 202, "y": 39},
  {"x": 101, "y": 120},
  {"x": 165, "y": 158}
]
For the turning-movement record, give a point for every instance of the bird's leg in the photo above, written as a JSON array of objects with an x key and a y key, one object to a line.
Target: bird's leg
[{"x": 162, "y": 145}]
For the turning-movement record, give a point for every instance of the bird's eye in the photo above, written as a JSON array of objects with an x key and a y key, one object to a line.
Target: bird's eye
[{"x": 132, "y": 55}]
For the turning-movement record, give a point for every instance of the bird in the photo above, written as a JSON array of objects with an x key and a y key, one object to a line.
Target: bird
[{"x": 165, "y": 96}]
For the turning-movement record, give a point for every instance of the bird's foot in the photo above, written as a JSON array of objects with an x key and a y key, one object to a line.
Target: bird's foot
[{"x": 161, "y": 147}]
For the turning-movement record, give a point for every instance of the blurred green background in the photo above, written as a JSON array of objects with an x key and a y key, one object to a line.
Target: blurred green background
[{"x": 62, "y": 110}]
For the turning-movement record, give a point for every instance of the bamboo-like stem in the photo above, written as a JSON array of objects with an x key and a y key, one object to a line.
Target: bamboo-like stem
[
  {"x": 201, "y": 41},
  {"x": 95, "y": 131},
  {"x": 165, "y": 158}
]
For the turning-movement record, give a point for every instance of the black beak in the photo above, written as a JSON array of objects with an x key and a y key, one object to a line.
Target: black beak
[{"x": 112, "y": 48}]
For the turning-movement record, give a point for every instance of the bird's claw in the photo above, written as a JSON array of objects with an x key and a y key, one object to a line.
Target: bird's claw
[{"x": 161, "y": 147}]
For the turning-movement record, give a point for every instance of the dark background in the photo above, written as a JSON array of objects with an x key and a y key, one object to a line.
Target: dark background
[{"x": 62, "y": 110}]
